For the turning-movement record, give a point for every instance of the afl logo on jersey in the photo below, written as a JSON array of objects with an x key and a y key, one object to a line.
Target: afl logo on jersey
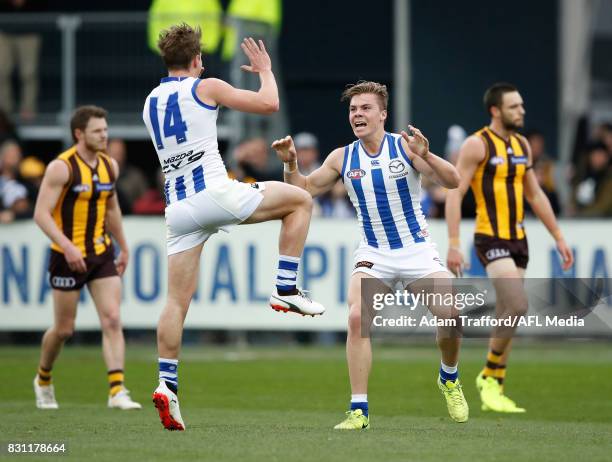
[
  {"x": 79, "y": 188},
  {"x": 496, "y": 160},
  {"x": 355, "y": 174}
]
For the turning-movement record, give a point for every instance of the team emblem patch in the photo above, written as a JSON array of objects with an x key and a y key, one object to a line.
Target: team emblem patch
[
  {"x": 355, "y": 174},
  {"x": 364, "y": 264}
]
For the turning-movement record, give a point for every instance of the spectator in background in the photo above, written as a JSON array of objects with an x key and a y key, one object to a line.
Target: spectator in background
[
  {"x": 455, "y": 136},
  {"x": 131, "y": 183},
  {"x": 544, "y": 168},
  {"x": 593, "y": 186},
  {"x": 19, "y": 47},
  {"x": 152, "y": 202},
  {"x": 13, "y": 195},
  {"x": 307, "y": 148},
  {"x": 31, "y": 172},
  {"x": 251, "y": 162},
  {"x": 433, "y": 196}
]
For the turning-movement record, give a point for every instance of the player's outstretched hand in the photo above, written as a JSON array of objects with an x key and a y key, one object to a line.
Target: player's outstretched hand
[
  {"x": 416, "y": 142},
  {"x": 285, "y": 149},
  {"x": 257, "y": 54}
]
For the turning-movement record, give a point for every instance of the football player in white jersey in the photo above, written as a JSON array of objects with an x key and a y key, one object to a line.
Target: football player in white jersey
[
  {"x": 381, "y": 172},
  {"x": 180, "y": 115}
]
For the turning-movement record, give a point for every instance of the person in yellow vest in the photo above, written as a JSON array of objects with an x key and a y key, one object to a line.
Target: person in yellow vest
[
  {"x": 205, "y": 13},
  {"x": 77, "y": 208},
  {"x": 496, "y": 162},
  {"x": 261, "y": 18}
]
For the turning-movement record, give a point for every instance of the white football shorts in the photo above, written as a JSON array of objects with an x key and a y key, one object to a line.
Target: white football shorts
[
  {"x": 193, "y": 220},
  {"x": 406, "y": 265}
]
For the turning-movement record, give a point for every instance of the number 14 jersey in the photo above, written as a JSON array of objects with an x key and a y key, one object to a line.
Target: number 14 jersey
[{"x": 184, "y": 132}]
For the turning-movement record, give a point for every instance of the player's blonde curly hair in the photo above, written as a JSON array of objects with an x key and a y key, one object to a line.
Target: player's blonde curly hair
[{"x": 363, "y": 87}]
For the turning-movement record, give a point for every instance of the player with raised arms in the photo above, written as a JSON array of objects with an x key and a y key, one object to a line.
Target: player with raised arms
[
  {"x": 181, "y": 115},
  {"x": 381, "y": 172}
]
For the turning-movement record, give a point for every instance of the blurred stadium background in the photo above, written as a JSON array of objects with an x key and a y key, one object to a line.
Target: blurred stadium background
[{"x": 437, "y": 58}]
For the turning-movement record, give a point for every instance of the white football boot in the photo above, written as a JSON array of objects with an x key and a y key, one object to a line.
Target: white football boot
[
  {"x": 167, "y": 406},
  {"x": 45, "y": 396},
  {"x": 299, "y": 303},
  {"x": 123, "y": 401}
]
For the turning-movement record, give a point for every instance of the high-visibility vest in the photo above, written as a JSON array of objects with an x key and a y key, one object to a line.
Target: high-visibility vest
[
  {"x": 264, "y": 11},
  {"x": 204, "y": 13}
]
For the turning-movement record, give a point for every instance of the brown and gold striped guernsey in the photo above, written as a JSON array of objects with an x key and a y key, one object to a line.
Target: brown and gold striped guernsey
[
  {"x": 81, "y": 210},
  {"x": 498, "y": 186}
]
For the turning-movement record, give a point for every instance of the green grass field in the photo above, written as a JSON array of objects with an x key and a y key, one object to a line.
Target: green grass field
[{"x": 280, "y": 404}]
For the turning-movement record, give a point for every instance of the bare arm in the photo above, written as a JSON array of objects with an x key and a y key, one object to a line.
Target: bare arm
[
  {"x": 264, "y": 101},
  {"x": 426, "y": 162},
  {"x": 56, "y": 177},
  {"x": 543, "y": 210},
  {"x": 471, "y": 154},
  {"x": 318, "y": 182},
  {"x": 115, "y": 227}
]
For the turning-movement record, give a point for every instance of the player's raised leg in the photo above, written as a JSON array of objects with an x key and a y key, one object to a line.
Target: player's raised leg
[
  {"x": 293, "y": 206},
  {"x": 183, "y": 270},
  {"x": 359, "y": 359},
  {"x": 64, "y": 314},
  {"x": 106, "y": 294},
  {"x": 449, "y": 343},
  {"x": 511, "y": 302}
]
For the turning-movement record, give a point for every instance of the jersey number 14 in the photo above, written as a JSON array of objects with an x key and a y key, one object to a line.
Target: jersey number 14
[{"x": 174, "y": 125}]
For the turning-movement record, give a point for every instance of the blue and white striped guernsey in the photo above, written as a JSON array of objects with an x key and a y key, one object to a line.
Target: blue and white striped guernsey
[
  {"x": 184, "y": 132},
  {"x": 385, "y": 190}
]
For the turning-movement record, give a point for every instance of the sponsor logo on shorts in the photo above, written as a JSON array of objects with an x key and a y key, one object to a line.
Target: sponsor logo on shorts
[
  {"x": 494, "y": 254},
  {"x": 437, "y": 260},
  {"x": 61, "y": 282},
  {"x": 79, "y": 188},
  {"x": 355, "y": 174},
  {"x": 496, "y": 160},
  {"x": 364, "y": 264}
]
